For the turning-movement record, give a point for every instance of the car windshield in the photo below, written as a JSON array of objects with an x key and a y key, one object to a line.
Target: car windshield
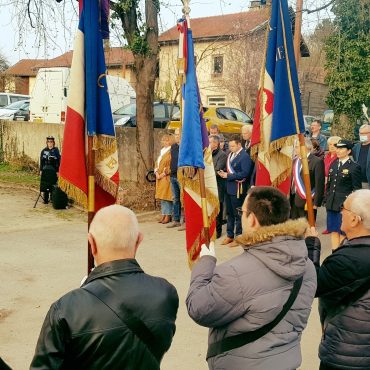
[
  {"x": 16, "y": 105},
  {"x": 129, "y": 110},
  {"x": 3, "y": 100}
]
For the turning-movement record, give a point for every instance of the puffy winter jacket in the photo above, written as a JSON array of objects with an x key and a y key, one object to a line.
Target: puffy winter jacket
[
  {"x": 249, "y": 291},
  {"x": 345, "y": 343},
  {"x": 81, "y": 332}
]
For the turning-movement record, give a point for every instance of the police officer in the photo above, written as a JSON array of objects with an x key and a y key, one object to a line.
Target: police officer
[
  {"x": 344, "y": 177},
  {"x": 49, "y": 162}
]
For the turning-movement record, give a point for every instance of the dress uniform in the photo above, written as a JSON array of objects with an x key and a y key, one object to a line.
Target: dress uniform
[{"x": 344, "y": 177}]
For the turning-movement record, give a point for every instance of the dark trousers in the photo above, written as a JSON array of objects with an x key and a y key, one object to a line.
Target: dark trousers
[
  {"x": 233, "y": 219},
  {"x": 219, "y": 220},
  {"x": 175, "y": 188},
  {"x": 298, "y": 212}
]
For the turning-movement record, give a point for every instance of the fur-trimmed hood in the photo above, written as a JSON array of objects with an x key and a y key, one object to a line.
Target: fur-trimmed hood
[{"x": 280, "y": 247}]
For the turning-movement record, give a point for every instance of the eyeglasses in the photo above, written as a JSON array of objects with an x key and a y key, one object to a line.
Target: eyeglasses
[
  {"x": 241, "y": 211},
  {"x": 342, "y": 207}
]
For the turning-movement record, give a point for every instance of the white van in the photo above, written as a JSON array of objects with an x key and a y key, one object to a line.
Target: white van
[
  {"x": 9, "y": 98},
  {"x": 50, "y": 93}
]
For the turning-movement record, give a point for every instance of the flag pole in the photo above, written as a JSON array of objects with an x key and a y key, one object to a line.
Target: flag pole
[
  {"x": 302, "y": 146},
  {"x": 90, "y": 197},
  {"x": 203, "y": 194}
]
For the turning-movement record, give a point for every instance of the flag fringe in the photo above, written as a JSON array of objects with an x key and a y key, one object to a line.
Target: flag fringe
[
  {"x": 188, "y": 172},
  {"x": 73, "y": 192},
  {"x": 104, "y": 146},
  {"x": 276, "y": 145},
  {"x": 196, "y": 247},
  {"x": 106, "y": 184}
]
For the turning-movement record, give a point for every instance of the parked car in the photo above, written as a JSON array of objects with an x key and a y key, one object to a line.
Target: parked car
[
  {"x": 126, "y": 116},
  {"x": 9, "y": 98},
  {"x": 326, "y": 122},
  {"x": 229, "y": 120},
  {"x": 18, "y": 111}
]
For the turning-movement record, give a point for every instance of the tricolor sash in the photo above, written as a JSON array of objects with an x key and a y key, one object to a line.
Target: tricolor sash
[
  {"x": 230, "y": 169},
  {"x": 298, "y": 180}
]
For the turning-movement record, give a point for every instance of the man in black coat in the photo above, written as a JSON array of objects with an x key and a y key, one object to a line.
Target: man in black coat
[
  {"x": 343, "y": 288},
  {"x": 219, "y": 158},
  {"x": 120, "y": 318},
  {"x": 239, "y": 168},
  {"x": 317, "y": 179}
]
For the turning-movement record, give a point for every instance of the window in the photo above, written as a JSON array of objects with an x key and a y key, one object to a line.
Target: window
[
  {"x": 226, "y": 113},
  {"x": 159, "y": 111},
  {"x": 218, "y": 101},
  {"x": 241, "y": 116},
  {"x": 218, "y": 65}
]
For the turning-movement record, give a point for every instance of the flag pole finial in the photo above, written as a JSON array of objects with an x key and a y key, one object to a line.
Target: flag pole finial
[{"x": 186, "y": 10}]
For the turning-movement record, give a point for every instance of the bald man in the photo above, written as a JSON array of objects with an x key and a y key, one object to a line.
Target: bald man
[{"x": 120, "y": 318}]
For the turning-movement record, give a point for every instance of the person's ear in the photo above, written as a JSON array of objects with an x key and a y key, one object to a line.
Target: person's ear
[
  {"x": 139, "y": 239},
  {"x": 94, "y": 249},
  {"x": 253, "y": 221}
]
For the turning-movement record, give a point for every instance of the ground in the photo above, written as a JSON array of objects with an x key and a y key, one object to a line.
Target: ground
[{"x": 43, "y": 255}]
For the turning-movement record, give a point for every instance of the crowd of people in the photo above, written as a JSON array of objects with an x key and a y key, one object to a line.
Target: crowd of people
[{"x": 257, "y": 304}]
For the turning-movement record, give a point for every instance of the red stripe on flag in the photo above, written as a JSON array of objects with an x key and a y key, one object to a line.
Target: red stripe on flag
[
  {"x": 73, "y": 165},
  {"x": 194, "y": 227}
]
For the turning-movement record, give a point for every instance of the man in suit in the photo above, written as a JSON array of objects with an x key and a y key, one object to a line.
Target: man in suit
[
  {"x": 246, "y": 133},
  {"x": 361, "y": 155},
  {"x": 239, "y": 167},
  {"x": 317, "y": 179},
  {"x": 219, "y": 158}
]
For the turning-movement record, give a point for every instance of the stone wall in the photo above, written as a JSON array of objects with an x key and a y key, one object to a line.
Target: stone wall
[{"x": 26, "y": 138}]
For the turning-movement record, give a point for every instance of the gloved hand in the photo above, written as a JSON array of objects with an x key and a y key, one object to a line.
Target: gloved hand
[{"x": 204, "y": 251}]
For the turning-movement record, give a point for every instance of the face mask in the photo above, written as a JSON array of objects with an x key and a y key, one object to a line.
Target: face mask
[{"x": 363, "y": 138}]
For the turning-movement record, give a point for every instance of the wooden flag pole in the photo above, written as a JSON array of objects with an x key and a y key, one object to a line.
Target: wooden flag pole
[
  {"x": 203, "y": 194},
  {"x": 90, "y": 196},
  {"x": 302, "y": 146}
]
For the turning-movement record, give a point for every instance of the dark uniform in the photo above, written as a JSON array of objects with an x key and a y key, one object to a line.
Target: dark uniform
[
  {"x": 50, "y": 157},
  {"x": 342, "y": 181},
  {"x": 49, "y": 167}
]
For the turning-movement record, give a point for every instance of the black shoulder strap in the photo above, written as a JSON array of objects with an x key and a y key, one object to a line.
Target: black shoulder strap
[
  {"x": 126, "y": 315},
  {"x": 240, "y": 340},
  {"x": 347, "y": 301}
]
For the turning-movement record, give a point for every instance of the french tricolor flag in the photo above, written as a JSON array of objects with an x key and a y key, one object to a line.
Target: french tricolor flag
[
  {"x": 89, "y": 114},
  {"x": 195, "y": 154},
  {"x": 278, "y": 116}
]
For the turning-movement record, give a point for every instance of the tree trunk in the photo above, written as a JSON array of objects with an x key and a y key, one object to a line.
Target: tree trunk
[
  {"x": 343, "y": 126},
  {"x": 145, "y": 75}
]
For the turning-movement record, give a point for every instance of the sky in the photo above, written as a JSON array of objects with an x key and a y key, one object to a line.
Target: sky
[{"x": 20, "y": 41}]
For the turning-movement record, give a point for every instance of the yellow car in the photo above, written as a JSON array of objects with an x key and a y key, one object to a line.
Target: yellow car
[{"x": 229, "y": 120}]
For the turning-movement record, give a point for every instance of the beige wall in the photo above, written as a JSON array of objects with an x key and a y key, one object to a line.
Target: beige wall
[
  {"x": 26, "y": 138},
  {"x": 31, "y": 84},
  {"x": 210, "y": 85}
]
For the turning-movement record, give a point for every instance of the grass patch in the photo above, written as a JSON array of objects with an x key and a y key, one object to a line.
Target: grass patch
[{"x": 17, "y": 174}]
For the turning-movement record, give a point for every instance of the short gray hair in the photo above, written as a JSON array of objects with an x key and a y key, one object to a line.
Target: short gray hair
[
  {"x": 308, "y": 143},
  {"x": 334, "y": 139},
  {"x": 360, "y": 205},
  {"x": 366, "y": 125},
  {"x": 215, "y": 137},
  {"x": 115, "y": 228}
]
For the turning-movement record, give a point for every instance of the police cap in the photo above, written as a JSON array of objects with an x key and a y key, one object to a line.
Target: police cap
[
  {"x": 343, "y": 143},
  {"x": 50, "y": 138}
]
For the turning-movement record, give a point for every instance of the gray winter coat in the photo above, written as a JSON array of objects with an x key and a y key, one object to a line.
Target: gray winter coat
[{"x": 249, "y": 291}]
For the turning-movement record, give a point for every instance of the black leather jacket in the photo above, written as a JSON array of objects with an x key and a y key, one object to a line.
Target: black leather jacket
[{"x": 81, "y": 332}]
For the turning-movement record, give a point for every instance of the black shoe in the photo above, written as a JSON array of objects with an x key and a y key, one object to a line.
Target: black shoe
[
  {"x": 218, "y": 235},
  {"x": 46, "y": 201}
]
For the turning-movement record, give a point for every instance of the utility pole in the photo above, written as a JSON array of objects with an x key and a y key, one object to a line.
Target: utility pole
[
  {"x": 303, "y": 151},
  {"x": 297, "y": 32}
]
